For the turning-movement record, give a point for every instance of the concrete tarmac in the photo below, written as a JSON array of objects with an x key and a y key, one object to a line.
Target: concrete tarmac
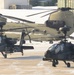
[{"x": 32, "y": 64}]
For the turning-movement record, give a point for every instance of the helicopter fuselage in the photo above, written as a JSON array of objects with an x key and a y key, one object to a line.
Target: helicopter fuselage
[
  {"x": 8, "y": 45},
  {"x": 61, "y": 18},
  {"x": 63, "y": 51}
]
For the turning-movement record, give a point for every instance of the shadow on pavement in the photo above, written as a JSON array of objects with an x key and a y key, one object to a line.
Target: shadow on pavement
[{"x": 28, "y": 58}]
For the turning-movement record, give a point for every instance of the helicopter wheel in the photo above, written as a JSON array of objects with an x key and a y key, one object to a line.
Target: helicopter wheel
[
  {"x": 5, "y": 56},
  {"x": 54, "y": 63},
  {"x": 68, "y": 64}
]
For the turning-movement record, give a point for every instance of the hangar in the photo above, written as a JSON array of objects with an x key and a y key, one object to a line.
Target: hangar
[
  {"x": 66, "y": 3},
  {"x": 15, "y": 4}
]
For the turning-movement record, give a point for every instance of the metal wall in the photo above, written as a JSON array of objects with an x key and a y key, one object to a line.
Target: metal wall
[
  {"x": 4, "y": 4},
  {"x": 1, "y": 4},
  {"x": 66, "y": 3}
]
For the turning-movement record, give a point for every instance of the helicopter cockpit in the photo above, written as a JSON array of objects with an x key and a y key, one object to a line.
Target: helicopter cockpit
[
  {"x": 56, "y": 48},
  {"x": 60, "y": 48},
  {"x": 55, "y": 24},
  {"x": 60, "y": 51}
]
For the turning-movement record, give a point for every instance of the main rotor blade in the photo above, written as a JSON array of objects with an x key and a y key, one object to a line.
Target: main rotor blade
[
  {"x": 15, "y": 18},
  {"x": 39, "y": 13},
  {"x": 49, "y": 13},
  {"x": 12, "y": 29}
]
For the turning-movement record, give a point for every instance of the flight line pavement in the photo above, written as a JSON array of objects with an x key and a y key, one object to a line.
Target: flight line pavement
[{"x": 32, "y": 64}]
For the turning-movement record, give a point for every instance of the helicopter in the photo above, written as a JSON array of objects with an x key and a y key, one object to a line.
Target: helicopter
[
  {"x": 62, "y": 51},
  {"x": 58, "y": 18},
  {"x": 62, "y": 21},
  {"x": 8, "y": 45}
]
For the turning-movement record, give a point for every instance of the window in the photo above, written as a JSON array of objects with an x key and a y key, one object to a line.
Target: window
[
  {"x": 59, "y": 48},
  {"x": 52, "y": 47}
]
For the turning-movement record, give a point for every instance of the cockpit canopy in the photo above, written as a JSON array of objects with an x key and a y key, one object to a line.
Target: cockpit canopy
[{"x": 65, "y": 46}]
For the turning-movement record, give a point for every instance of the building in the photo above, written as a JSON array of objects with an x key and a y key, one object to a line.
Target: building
[
  {"x": 66, "y": 3},
  {"x": 14, "y": 4},
  {"x": 44, "y": 2}
]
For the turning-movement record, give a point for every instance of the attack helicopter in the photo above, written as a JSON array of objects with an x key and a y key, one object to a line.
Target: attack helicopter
[
  {"x": 8, "y": 45},
  {"x": 62, "y": 51},
  {"x": 62, "y": 21}
]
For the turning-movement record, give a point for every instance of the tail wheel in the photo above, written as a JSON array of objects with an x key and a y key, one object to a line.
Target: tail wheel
[{"x": 68, "y": 64}]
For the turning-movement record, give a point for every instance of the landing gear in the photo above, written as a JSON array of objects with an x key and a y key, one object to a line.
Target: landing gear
[
  {"x": 54, "y": 63},
  {"x": 4, "y": 54},
  {"x": 22, "y": 52},
  {"x": 68, "y": 64}
]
